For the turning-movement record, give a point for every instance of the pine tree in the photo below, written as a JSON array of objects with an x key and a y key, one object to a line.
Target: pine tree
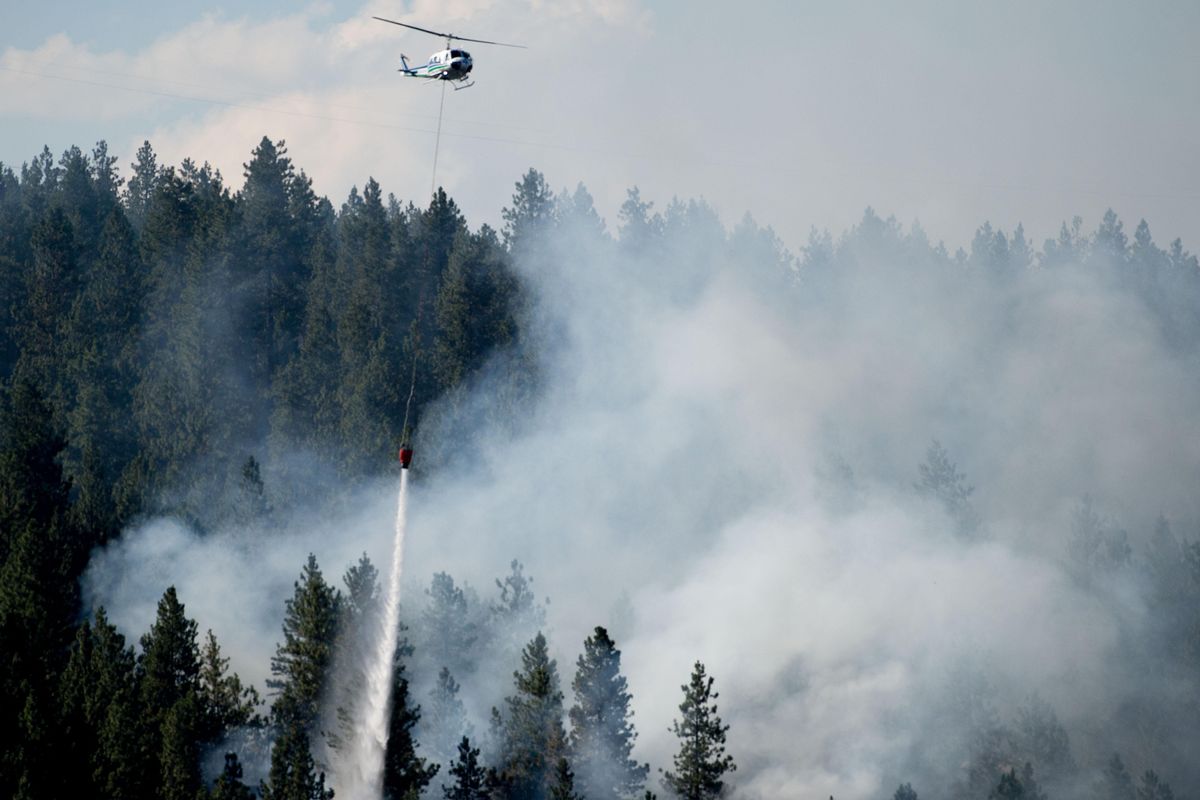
[
  {"x": 300, "y": 664},
  {"x": 1032, "y": 789},
  {"x": 228, "y": 785},
  {"x": 405, "y": 774},
  {"x": 105, "y": 180},
  {"x": 602, "y": 734},
  {"x": 251, "y": 504},
  {"x": 470, "y": 778},
  {"x": 50, "y": 288},
  {"x": 905, "y": 792},
  {"x": 639, "y": 230},
  {"x": 225, "y": 702},
  {"x": 306, "y": 410},
  {"x": 105, "y": 325},
  {"x": 169, "y": 666},
  {"x": 140, "y": 190},
  {"x": 446, "y": 721},
  {"x": 293, "y": 774},
  {"x": 531, "y": 213},
  {"x": 1152, "y": 787},
  {"x": 180, "y": 749},
  {"x": 941, "y": 480},
  {"x": 357, "y": 625},
  {"x": 563, "y": 787},
  {"x": 1009, "y": 787},
  {"x": 169, "y": 686},
  {"x": 533, "y": 735},
  {"x": 518, "y": 613},
  {"x": 40, "y": 559},
  {"x": 701, "y": 763},
  {"x": 1043, "y": 741},
  {"x": 300, "y": 668},
  {"x": 1118, "y": 784},
  {"x": 448, "y": 632},
  {"x": 473, "y": 309},
  {"x": 99, "y": 713},
  {"x": 270, "y": 271}
]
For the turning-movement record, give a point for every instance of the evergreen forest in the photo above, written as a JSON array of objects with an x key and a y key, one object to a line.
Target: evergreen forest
[{"x": 177, "y": 346}]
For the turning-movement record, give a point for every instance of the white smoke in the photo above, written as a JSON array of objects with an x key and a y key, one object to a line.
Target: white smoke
[{"x": 724, "y": 471}]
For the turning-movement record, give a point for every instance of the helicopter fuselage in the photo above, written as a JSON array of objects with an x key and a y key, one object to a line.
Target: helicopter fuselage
[{"x": 446, "y": 65}]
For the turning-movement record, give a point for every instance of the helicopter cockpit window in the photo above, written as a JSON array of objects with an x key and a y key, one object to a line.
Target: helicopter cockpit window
[{"x": 456, "y": 54}]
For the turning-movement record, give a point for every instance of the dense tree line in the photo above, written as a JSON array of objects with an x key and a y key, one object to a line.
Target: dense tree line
[{"x": 169, "y": 345}]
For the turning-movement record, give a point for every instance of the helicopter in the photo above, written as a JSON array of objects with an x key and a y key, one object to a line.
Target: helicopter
[{"x": 447, "y": 65}]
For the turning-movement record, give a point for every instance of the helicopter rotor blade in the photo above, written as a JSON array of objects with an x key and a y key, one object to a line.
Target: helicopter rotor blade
[
  {"x": 415, "y": 28},
  {"x": 448, "y": 35},
  {"x": 485, "y": 41}
]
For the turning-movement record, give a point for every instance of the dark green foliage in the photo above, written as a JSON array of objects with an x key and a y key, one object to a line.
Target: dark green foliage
[
  {"x": 167, "y": 345},
  {"x": 1009, "y": 787},
  {"x": 473, "y": 308},
  {"x": 602, "y": 733},
  {"x": 251, "y": 504},
  {"x": 531, "y": 213},
  {"x": 179, "y": 753},
  {"x": 360, "y": 603},
  {"x": 905, "y": 792},
  {"x": 51, "y": 284},
  {"x": 40, "y": 557},
  {"x": 140, "y": 190},
  {"x": 100, "y": 712},
  {"x": 358, "y": 621},
  {"x": 564, "y": 782},
  {"x": 103, "y": 334},
  {"x": 293, "y": 774},
  {"x": 701, "y": 763},
  {"x": 301, "y": 662},
  {"x": 405, "y": 774},
  {"x": 226, "y": 703},
  {"x": 533, "y": 737},
  {"x": 273, "y": 236},
  {"x": 470, "y": 778},
  {"x": 228, "y": 785},
  {"x": 169, "y": 666},
  {"x": 177, "y": 721},
  {"x": 300, "y": 668}
]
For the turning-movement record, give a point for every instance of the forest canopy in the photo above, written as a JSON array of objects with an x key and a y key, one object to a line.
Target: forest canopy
[{"x": 175, "y": 347}]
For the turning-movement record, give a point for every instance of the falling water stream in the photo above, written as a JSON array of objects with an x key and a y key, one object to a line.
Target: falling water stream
[{"x": 370, "y": 742}]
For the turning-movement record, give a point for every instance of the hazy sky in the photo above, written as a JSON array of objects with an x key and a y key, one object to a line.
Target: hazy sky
[
  {"x": 801, "y": 113},
  {"x": 825, "y": 627}
]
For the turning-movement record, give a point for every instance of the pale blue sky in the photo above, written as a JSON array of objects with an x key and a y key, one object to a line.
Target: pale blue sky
[{"x": 800, "y": 113}]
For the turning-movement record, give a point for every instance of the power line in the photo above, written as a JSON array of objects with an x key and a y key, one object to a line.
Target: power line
[
  {"x": 756, "y": 167},
  {"x": 242, "y": 92}
]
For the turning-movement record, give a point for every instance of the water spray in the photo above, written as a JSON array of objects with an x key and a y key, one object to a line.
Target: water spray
[{"x": 370, "y": 742}]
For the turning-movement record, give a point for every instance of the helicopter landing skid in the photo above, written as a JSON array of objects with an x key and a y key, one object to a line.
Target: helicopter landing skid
[{"x": 464, "y": 86}]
